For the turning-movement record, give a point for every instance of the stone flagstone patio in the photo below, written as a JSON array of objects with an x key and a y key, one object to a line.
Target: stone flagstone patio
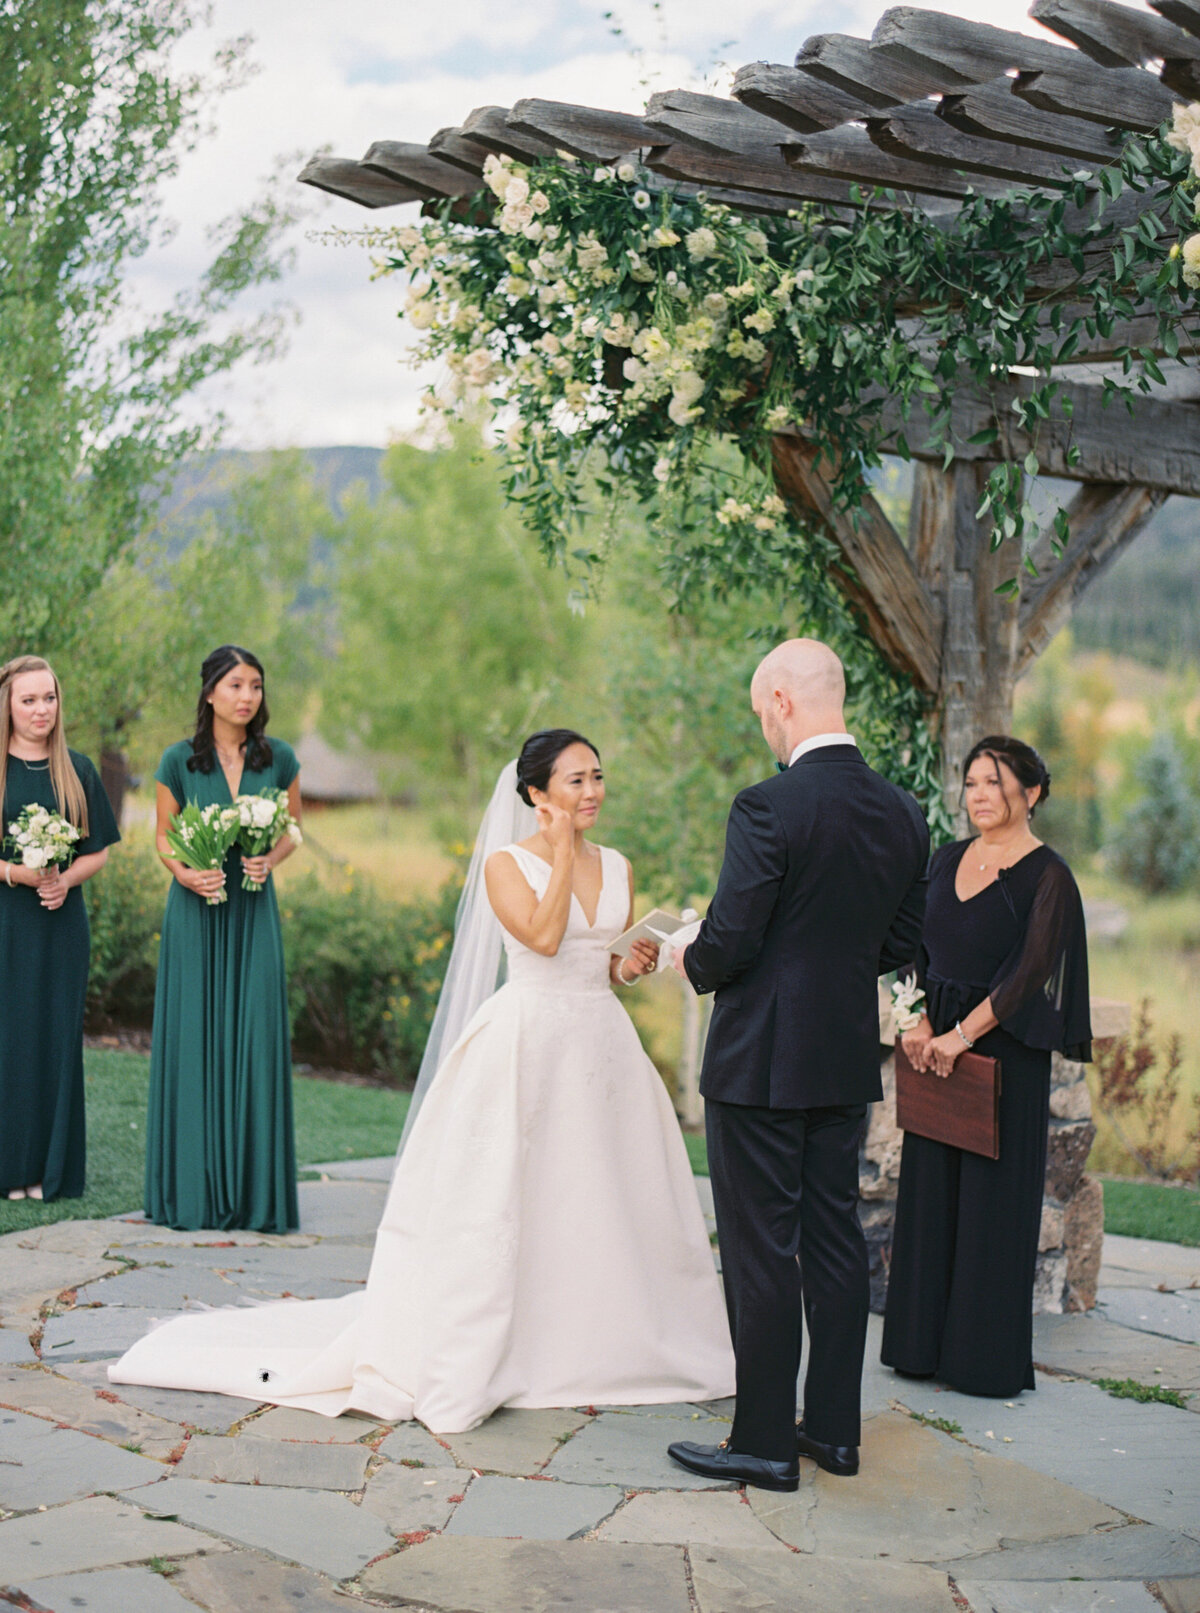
[{"x": 116, "y": 1499}]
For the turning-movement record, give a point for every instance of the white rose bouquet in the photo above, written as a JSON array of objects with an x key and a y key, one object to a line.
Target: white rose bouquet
[
  {"x": 201, "y": 836},
  {"x": 42, "y": 839},
  {"x": 263, "y": 822},
  {"x": 908, "y": 1005}
]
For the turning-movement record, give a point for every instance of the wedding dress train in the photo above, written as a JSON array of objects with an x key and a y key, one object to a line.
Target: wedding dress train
[{"x": 542, "y": 1243}]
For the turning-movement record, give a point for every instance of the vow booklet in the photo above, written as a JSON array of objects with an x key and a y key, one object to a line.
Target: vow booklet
[{"x": 658, "y": 925}]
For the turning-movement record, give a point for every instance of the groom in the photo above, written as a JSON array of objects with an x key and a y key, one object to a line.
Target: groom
[{"x": 822, "y": 889}]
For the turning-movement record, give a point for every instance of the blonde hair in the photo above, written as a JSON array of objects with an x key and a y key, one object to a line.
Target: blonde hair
[{"x": 68, "y": 791}]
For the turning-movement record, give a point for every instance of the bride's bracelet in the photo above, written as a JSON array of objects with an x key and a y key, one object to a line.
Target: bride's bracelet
[{"x": 621, "y": 976}]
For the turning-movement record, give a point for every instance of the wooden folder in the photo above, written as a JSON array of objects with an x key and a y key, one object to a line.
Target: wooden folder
[{"x": 962, "y": 1110}]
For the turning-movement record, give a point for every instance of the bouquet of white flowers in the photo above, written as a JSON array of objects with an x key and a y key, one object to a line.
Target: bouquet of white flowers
[
  {"x": 908, "y": 1005},
  {"x": 264, "y": 820},
  {"x": 200, "y": 837},
  {"x": 42, "y": 839}
]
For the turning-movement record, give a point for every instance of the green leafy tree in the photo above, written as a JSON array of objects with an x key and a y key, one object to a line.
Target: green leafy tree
[
  {"x": 250, "y": 570},
  {"x": 455, "y": 638},
  {"x": 97, "y": 392},
  {"x": 1157, "y": 846}
]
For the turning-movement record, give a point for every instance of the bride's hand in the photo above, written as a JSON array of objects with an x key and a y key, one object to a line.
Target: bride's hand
[
  {"x": 641, "y": 960},
  {"x": 557, "y": 826}
]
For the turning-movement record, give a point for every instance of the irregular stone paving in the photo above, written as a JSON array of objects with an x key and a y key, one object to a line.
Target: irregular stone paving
[{"x": 126, "y": 1499}]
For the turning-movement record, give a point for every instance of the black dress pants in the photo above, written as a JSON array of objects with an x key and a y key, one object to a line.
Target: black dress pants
[{"x": 785, "y": 1190}]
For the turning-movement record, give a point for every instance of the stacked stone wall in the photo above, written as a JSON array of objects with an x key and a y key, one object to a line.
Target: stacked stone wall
[{"x": 1072, "y": 1229}]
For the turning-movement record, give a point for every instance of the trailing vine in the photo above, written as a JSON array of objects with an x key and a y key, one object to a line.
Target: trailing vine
[{"x": 629, "y": 334}]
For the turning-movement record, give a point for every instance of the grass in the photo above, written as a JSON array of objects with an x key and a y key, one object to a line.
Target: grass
[
  {"x": 945, "y": 1425},
  {"x": 697, "y": 1147},
  {"x": 334, "y": 1120},
  {"x": 1131, "y": 1389},
  {"x": 1146, "y": 1210}
]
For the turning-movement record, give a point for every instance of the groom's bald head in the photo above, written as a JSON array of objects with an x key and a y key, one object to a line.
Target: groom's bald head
[{"x": 798, "y": 690}]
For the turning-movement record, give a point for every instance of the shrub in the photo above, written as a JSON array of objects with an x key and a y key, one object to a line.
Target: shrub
[
  {"x": 125, "y": 908},
  {"x": 1157, "y": 846},
  {"x": 364, "y": 973},
  {"x": 1140, "y": 1100}
]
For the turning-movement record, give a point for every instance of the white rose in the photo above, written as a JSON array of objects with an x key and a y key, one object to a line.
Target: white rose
[
  {"x": 516, "y": 191},
  {"x": 701, "y": 243},
  {"x": 262, "y": 812},
  {"x": 1191, "y": 261},
  {"x": 35, "y": 857},
  {"x": 662, "y": 470},
  {"x": 295, "y": 835},
  {"x": 539, "y": 201}
]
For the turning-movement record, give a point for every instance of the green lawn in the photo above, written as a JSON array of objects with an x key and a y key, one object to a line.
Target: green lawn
[
  {"x": 337, "y": 1120},
  {"x": 1144, "y": 1210},
  {"x": 334, "y": 1120}
]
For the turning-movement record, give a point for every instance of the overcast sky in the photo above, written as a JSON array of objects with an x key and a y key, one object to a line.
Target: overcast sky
[{"x": 343, "y": 73}]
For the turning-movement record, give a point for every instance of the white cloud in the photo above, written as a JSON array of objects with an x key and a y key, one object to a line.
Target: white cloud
[{"x": 348, "y": 72}]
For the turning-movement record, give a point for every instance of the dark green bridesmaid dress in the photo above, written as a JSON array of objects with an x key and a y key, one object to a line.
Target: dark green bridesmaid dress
[
  {"x": 43, "y": 983},
  {"x": 220, "y": 1144}
]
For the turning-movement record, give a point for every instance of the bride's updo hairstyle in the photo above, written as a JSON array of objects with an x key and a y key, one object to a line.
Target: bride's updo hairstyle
[
  {"x": 539, "y": 754},
  {"x": 1022, "y": 761}
]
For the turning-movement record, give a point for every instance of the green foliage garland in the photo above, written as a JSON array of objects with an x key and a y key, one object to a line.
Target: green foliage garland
[{"x": 631, "y": 334}]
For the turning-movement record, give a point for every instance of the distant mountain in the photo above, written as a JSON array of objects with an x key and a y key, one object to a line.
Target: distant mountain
[
  {"x": 1147, "y": 604},
  {"x": 203, "y": 481}
]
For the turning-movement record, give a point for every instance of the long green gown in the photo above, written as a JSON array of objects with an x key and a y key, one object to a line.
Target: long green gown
[
  {"x": 43, "y": 983},
  {"x": 220, "y": 1144}
]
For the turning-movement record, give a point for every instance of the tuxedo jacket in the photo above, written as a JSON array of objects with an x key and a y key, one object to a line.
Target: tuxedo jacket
[{"x": 822, "y": 890}]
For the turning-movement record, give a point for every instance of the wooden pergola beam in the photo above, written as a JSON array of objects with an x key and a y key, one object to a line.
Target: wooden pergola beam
[
  {"x": 767, "y": 174},
  {"x": 993, "y": 112},
  {"x": 850, "y": 154},
  {"x": 958, "y": 53},
  {"x": 585, "y": 131},
  {"x": 790, "y": 97},
  {"x": 1104, "y": 518},
  {"x": 713, "y": 123},
  {"x": 1158, "y": 446},
  {"x": 1141, "y": 101},
  {"x": 413, "y": 165},
  {"x": 1115, "y": 35},
  {"x": 452, "y": 146},
  {"x": 882, "y": 581},
  {"x": 341, "y": 176},
  {"x": 488, "y": 126},
  {"x": 851, "y": 66},
  {"x": 917, "y": 132},
  {"x": 1183, "y": 13}
]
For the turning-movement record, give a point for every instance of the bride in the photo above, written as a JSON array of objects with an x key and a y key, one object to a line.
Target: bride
[{"x": 542, "y": 1243}]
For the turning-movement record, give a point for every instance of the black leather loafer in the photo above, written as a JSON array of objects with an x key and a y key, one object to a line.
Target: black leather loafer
[
  {"x": 719, "y": 1462},
  {"x": 841, "y": 1460}
]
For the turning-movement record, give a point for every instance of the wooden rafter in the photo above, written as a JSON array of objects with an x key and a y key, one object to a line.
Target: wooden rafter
[
  {"x": 1104, "y": 518},
  {"x": 881, "y": 581},
  {"x": 1157, "y": 446}
]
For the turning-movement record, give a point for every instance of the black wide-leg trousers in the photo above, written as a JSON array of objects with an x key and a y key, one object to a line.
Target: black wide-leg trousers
[{"x": 785, "y": 1191}]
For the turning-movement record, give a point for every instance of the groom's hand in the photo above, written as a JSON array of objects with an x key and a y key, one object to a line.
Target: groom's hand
[{"x": 677, "y": 958}]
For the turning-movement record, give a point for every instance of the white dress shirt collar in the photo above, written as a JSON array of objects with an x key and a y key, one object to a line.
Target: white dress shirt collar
[{"x": 816, "y": 742}]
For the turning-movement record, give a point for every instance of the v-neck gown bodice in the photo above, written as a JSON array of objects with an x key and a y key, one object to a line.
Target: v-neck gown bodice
[{"x": 542, "y": 1243}]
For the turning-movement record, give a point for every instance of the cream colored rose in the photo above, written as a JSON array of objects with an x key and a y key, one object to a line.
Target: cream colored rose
[{"x": 1191, "y": 262}]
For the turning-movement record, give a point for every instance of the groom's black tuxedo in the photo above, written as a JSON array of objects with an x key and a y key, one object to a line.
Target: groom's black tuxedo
[{"x": 822, "y": 889}]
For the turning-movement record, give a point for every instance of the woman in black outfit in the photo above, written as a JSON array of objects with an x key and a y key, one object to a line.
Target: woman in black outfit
[{"x": 1004, "y": 966}]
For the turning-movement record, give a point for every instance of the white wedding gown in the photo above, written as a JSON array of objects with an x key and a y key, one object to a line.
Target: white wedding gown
[{"x": 542, "y": 1243}]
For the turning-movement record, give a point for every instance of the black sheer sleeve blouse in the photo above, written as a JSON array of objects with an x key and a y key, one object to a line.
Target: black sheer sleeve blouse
[{"x": 1020, "y": 941}]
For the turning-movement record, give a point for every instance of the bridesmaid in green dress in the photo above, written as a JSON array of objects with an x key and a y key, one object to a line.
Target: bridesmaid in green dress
[
  {"x": 220, "y": 1148},
  {"x": 44, "y": 942}
]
